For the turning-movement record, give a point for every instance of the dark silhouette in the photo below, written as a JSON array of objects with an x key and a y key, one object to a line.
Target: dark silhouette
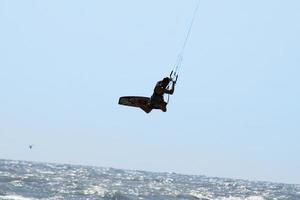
[{"x": 157, "y": 99}]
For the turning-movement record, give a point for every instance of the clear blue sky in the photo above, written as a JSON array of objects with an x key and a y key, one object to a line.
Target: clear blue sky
[{"x": 235, "y": 112}]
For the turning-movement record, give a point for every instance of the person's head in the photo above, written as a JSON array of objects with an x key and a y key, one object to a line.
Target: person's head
[{"x": 166, "y": 81}]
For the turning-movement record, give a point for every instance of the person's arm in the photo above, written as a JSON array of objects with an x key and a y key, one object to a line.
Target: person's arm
[{"x": 170, "y": 91}]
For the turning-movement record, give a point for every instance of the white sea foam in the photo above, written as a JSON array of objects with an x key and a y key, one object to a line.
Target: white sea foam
[
  {"x": 96, "y": 190},
  {"x": 255, "y": 198},
  {"x": 247, "y": 198},
  {"x": 15, "y": 197},
  {"x": 201, "y": 195},
  {"x": 17, "y": 183}
]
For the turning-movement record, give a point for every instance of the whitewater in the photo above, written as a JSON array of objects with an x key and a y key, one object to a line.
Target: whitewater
[{"x": 23, "y": 180}]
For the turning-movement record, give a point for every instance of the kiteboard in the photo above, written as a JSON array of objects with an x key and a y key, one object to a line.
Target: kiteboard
[{"x": 135, "y": 101}]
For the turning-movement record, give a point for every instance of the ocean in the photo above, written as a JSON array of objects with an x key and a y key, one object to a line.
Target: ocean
[{"x": 23, "y": 180}]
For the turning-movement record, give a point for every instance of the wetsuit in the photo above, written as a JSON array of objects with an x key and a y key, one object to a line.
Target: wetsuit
[{"x": 157, "y": 98}]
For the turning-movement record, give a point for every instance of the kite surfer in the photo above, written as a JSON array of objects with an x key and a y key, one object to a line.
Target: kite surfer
[{"x": 157, "y": 99}]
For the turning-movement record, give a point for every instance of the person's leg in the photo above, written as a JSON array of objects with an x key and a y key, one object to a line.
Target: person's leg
[
  {"x": 163, "y": 106},
  {"x": 147, "y": 108}
]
